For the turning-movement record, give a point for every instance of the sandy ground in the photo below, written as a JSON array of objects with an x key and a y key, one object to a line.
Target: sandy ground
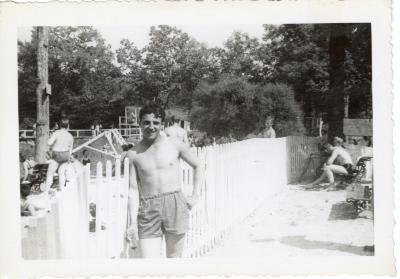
[{"x": 294, "y": 223}]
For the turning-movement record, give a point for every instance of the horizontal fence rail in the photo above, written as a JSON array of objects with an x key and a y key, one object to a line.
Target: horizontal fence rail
[
  {"x": 89, "y": 216},
  {"x": 88, "y": 133}
]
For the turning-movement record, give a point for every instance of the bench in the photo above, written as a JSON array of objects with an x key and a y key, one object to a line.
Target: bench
[{"x": 358, "y": 193}]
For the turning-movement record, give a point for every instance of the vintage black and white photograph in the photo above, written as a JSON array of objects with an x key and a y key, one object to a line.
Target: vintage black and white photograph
[
  {"x": 199, "y": 139},
  {"x": 166, "y": 141}
]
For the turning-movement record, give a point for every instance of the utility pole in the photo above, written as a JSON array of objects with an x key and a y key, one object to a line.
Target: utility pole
[{"x": 43, "y": 92}]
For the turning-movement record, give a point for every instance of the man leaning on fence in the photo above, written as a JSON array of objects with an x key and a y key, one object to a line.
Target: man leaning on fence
[{"x": 157, "y": 206}]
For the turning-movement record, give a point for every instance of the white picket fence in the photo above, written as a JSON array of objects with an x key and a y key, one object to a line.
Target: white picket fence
[{"x": 238, "y": 178}]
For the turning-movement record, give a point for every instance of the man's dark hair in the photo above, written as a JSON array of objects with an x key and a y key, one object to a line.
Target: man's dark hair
[
  {"x": 85, "y": 151},
  {"x": 174, "y": 119},
  {"x": 64, "y": 123},
  {"x": 25, "y": 190},
  {"x": 152, "y": 108}
]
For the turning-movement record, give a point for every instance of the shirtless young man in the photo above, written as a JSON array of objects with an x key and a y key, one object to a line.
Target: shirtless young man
[
  {"x": 156, "y": 204},
  {"x": 337, "y": 152},
  {"x": 175, "y": 131}
]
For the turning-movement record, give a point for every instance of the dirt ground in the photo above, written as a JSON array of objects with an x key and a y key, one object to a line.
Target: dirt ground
[{"x": 294, "y": 223}]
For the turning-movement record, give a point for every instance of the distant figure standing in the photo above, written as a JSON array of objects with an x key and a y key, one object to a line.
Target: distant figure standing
[
  {"x": 60, "y": 143},
  {"x": 93, "y": 130},
  {"x": 85, "y": 159},
  {"x": 97, "y": 129},
  {"x": 175, "y": 131},
  {"x": 268, "y": 131}
]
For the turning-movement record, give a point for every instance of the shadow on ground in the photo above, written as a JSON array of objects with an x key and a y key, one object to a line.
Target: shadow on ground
[{"x": 302, "y": 243}]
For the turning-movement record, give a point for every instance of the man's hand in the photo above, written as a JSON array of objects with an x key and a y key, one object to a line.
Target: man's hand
[
  {"x": 192, "y": 201},
  {"x": 132, "y": 236}
]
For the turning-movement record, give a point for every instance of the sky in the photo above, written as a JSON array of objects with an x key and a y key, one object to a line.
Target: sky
[{"x": 212, "y": 35}]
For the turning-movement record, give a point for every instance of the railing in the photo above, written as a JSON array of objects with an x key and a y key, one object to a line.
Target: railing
[
  {"x": 238, "y": 178},
  {"x": 134, "y": 133}
]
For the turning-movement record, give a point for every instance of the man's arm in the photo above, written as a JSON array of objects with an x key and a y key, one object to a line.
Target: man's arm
[
  {"x": 26, "y": 171},
  {"x": 52, "y": 139},
  {"x": 198, "y": 170},
  {"x": 185, "y": 138},
  {"x": 133, "y": 201},
  {"x": 332, "y": 158}
]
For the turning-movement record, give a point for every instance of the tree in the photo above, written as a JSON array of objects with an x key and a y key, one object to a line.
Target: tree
[
  {"x": 225, "y": 108},
  {"x": 295, "y": 54},
  {"x": 167, "y": 70},
  {"x": 241, "y": 57},
  {"x": 277, "y": 100},
  {"x": 325, "y": 64},
  {"x": 81, "y": 72},
  {"x": 337, "y": 54}
]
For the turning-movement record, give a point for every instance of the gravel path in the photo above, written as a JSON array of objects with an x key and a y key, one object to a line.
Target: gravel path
[{"x": 294, "y": 223}]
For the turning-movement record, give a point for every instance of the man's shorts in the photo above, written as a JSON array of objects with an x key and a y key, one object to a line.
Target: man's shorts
[
  {"x": 60, "y": 157},
  {"x": 163, "y": 213},
  {"x": 349, "y": 168}
]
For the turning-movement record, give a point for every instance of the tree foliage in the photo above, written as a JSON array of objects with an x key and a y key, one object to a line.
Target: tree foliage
[
  {"x": 166, "y": 70},
  {"x": 287, "y": 73},
  {"x": 233, "y": 106},
  {"x": 81, "y": 72}
]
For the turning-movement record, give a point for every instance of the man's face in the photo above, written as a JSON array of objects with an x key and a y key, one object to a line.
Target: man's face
[
  {"x": 150, "y": 126},
  {"x": 268, "y": 123}
]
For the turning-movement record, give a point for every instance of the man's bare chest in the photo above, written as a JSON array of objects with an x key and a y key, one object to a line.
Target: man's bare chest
[{"x": 156, "y": 159}]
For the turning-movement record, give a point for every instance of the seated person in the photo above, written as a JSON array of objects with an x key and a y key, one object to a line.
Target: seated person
[
  {"x": 329, "y": 169},
  {"x": 28, "y": 165},
  {"x": 85, "y": 159},
  {"x": 31, "y": 204},
  {"x": 27, "y": 208},
  {"x": 61, "y": 143}
]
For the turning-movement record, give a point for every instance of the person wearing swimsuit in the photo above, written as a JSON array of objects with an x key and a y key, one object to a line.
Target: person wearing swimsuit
[
  {"x": 329, "y": 168},
  {"x": 157, "y": 206}
]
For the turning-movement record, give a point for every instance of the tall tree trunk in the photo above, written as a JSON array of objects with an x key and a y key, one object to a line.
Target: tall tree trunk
[
  {"x": 337, "y": 55},
  {"x": 42, "y": 98}
]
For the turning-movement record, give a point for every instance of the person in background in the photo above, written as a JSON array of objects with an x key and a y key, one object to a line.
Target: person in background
[
  {"x": 337, "y": 141},
  {"x": 85, "y": 159},
  {"x": 27, "y": 208},
  {"x": 28, "y": 165},
  {"x": 93, "y": 130},
  {"x": 175, "y": 131},
  {"x": 268, "y": 131},
  {"x": 60, "y": 143},
  {"x": 329, "y": 168}
]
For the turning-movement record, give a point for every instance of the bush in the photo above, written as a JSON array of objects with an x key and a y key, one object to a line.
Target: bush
[
  {"x": 224, "y": 108},
  {"x": 277, "y": 100},
  {"x": 236, "y": 107}
]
